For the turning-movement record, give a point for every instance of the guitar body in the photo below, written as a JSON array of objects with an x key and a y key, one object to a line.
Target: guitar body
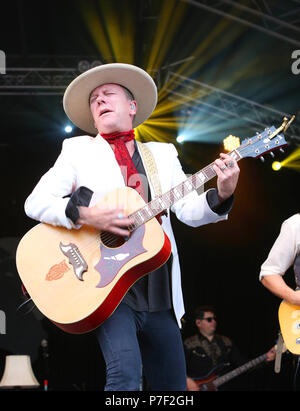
[
  {"x": 289, "y": 320},
  {"x": 77, "y": 278}
]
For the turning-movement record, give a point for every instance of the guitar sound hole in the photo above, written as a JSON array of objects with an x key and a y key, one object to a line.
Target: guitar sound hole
[{"x": 111, "y": 240}]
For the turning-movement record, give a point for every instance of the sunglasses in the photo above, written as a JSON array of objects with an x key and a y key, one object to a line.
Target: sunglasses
[{"x": 210, "y": 319}]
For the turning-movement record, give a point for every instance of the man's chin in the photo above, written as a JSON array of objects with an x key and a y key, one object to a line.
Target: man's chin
[{"x": 107, "y": 127}]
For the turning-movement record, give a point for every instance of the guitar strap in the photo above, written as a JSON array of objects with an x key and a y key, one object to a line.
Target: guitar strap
[
  {"x": 280, "y": 343},
  {"x": 151, "y": 168}
]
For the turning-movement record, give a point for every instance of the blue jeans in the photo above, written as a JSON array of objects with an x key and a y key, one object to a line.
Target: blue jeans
[{"x": 135, "y": 342}]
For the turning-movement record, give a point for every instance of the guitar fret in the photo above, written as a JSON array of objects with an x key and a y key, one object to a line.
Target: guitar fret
[
  {"x": 193, "y": 179},
  {"x": 188, "y": 185},
  {"x": 148, "y": 210},
  {"x": 198, "y": 179},
  {"x": 156, "y": 206},
  {"x": 171, "y": 197},
  {"x": 138, "y": 220},
  {"x": 152, "y": 208},
  {"x": 202, "y": 176},
  {"x": 161, "y": 203},
  {"x": 176, "y": 193},
  {"x": 139, "y": 215},
  {"x": 209, "y": 171},
  {"x": 221, "y": 380},
  {"x": 235, "y": 155},
  {"x": 143, "y": 214},
  {"x": 168, "y": 198}
]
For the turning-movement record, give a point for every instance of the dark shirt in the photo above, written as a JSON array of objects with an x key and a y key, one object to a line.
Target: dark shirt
[
  {"x": 204, "y": 357},
  {"x": 152, "y": 292}
]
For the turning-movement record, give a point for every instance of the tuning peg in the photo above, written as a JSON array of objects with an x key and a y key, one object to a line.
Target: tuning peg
[
  {"x": 282, "y": 150},
  {"x": 272, "y": 154},
  {"x": 262, "y": 159}
]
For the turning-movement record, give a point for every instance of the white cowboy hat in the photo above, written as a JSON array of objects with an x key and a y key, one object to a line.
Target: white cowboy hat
[{"x": 136, "y": 80}]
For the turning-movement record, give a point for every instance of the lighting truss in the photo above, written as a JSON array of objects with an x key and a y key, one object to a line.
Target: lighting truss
[
  {"x": 43, "y": 75},
  {"x": 219, "y": 103},
  {"x": 280, "y": 19},
  {"x": 209, "y": 99},
  {"x": 39, "y": 81}
]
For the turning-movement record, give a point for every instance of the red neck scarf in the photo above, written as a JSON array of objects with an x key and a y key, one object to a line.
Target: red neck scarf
[{"x": 131, "y": 177}]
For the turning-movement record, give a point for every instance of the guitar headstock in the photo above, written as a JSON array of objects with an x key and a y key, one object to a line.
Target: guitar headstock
[
  {"x": 261, "y": 143},
  {"x": 265, "y": 142}
]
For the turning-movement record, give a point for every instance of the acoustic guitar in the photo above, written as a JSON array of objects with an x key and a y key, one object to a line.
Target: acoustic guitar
[{"x": 77, "y": 278}]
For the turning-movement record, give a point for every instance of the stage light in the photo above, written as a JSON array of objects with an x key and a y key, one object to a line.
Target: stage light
[
  {"x": 292, "y": 160},
  {"x": 83, "y": 65},
  {"x": 68, "y": 129},
  {"x": 180, "y": 138},
  {"x": 96, "y": 63},
  {"x": 231, "y": 142},
  {"x": 276, "y": 165}
]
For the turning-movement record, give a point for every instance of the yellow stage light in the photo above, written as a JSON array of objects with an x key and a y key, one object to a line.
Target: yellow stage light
[
  {"x": 231, "y": 142},
  {"x": 276, "y": 165},
  {"x": 293, "y": 160}
]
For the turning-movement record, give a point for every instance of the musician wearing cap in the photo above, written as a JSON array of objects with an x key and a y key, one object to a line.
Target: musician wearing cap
[{"x": 142, "y": 335}]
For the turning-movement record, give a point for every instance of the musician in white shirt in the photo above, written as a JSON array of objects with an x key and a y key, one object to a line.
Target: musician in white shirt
[
  {"x": 111, "y": 100},
  {"x": 284, "y": 254}
]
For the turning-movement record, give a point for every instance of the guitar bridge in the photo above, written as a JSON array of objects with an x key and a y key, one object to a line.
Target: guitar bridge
[{"x": 75, "y": 259}]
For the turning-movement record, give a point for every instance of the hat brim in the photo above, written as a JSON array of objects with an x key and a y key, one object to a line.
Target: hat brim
[{"x": 136, "y": 80}]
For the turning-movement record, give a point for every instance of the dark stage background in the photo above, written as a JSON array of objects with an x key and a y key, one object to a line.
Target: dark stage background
[{"x": 241, "y": 48}]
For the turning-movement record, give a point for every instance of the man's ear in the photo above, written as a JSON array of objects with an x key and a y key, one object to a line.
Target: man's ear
[{"x": 133, "y": 107}]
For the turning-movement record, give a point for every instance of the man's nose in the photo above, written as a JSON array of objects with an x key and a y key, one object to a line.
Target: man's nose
[{"x": 100, "y": 99}]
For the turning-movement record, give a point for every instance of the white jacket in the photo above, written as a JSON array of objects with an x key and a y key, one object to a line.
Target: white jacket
[{"x": 90, "y": 162}]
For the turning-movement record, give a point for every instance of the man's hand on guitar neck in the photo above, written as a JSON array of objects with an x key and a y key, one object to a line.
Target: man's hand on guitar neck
[
  {"x": 105, "y": 219},
  {"x": 271, "y": 354},
  {"x": 191, "y": 385},
  {"x": 227, "y": 171}
]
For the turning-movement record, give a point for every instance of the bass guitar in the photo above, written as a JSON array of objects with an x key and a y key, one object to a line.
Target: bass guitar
[
  {"x": 212, "y": 381},
  {"x": 77, "y": 278}
]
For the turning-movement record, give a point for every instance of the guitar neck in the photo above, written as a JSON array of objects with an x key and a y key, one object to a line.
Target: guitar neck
[
  {"x": 253, "y": 147},
  {"x": 166, "y": 200},
  {"x": 238, "y": 371}
]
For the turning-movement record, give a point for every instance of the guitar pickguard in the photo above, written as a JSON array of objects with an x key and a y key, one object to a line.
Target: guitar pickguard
[{"x": 113, "y": 259}]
